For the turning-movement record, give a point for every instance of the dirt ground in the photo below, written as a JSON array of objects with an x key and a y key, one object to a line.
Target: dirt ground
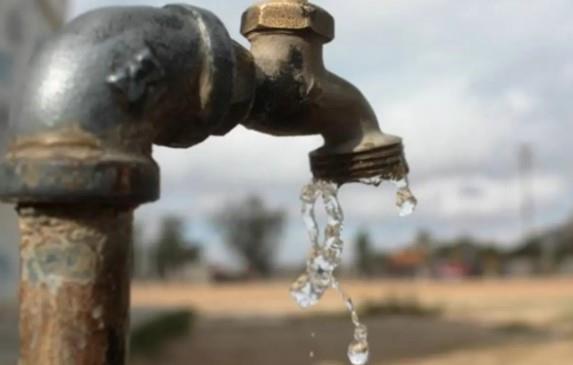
[
  {"x": 522, "y": 322},
  {"x": 559, "y": 352}
]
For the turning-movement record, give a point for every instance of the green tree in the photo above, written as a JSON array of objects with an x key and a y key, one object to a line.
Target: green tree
[
  {"x": 140, "y": 254},
  {"x": 364, "y": 253},
  {"x": 171, "y": 248},
  {"x": 253, "y": 231}
]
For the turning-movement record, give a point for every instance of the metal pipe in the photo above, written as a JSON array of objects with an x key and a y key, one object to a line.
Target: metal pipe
[{"x": 74, "y": 291}]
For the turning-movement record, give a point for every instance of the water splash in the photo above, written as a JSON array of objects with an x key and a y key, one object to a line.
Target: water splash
[
  {"x": 374, "y": 181},
  {"x": 358, "y": 350},
  {"x": 324, "y": 259},
  {"x": 326, "y": 255},
  {"x": 405, "y": 200}
]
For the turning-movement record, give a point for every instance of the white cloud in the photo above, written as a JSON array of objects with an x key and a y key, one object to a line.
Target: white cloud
[
  {"x": 482, "y": 196},
  {"x": 520, "y": 102},
  {"x": 242, "y": 157},
  {"x": 446, "y": 127}
]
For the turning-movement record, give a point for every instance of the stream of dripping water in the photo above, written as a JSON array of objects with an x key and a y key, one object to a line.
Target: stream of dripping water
[{"x": 326, "y": 254}]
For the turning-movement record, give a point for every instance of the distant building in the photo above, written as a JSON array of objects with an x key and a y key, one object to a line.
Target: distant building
[
  {"x": 409, "y": 262},
  {"x": 24, "y": 24}
]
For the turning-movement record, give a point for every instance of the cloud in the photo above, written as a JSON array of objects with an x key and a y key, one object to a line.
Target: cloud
[{"x": 485, "y": 197}]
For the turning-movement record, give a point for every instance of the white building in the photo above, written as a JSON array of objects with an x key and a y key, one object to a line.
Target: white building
[{"x": 23, "y": 25}]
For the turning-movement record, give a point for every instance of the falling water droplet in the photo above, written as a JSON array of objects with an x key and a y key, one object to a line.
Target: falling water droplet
[
  {"x": 358, "y": 352},
  {"x": 375, "y": 181},
  {"x": 309, "y": 195},
  {"x": 325, "y": 256},
  {"x": 405, "y": 200}
]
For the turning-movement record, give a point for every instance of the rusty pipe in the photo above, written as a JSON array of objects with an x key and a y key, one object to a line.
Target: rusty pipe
[
  {"x": 74, "y": 290},
  {"x": 98, "y": 95},
  {"x": 297, "y": 95}
]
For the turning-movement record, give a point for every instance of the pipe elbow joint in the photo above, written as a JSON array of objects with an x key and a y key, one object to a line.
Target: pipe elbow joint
[{"x": 108, "y": 86}]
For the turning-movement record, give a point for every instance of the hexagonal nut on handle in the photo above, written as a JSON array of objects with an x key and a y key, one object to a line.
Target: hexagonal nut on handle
[{"x": 294, "y": 15}]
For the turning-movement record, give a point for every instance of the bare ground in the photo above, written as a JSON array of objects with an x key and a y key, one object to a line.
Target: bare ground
[{"x": 525, "y": 322}]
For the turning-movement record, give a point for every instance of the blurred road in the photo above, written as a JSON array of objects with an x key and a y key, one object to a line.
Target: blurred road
[{"x": 535, "y": 301}]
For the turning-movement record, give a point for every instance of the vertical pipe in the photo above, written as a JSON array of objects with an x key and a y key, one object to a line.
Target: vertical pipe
[{"x": 75, "y": 278}]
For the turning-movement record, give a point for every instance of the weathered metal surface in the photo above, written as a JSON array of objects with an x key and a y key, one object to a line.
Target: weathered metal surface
[
  {"x": 297, "y": 95},
  {"x": 385, "y": 162},
  {"x": 110, "y": 84},
  {"x": 123, "y": 182},
  {"x": 244, "y": 88},
  {"x": 74, "y": 295},
  {"x": 299, "y": 15}
]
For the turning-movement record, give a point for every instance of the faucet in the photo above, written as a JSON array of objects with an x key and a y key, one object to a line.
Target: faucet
[
  {"x": 116, "y": 81},
  {"x": 296, "y": 95}
]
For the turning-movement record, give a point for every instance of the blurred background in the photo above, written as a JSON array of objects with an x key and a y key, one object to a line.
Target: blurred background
[{"x": 482, "y": 273}]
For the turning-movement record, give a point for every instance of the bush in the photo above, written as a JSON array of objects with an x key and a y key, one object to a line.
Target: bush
[
  {"x": 150, "y": 336},
  {"x": 398, "y": 306}
]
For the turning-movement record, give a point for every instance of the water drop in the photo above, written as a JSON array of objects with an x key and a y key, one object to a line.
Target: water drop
[
  {"x": 304, "y": 292},
  {"x": 358, "y": 352},
  {"x": 374, "y": 181},
  {"x": 405, "y": 200},
  {"x": 320, "y": 263}
]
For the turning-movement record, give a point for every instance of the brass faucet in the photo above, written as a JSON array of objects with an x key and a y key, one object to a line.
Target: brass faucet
[
  {"x": 115, "y": 81},
  {"x": 297, "y": 95}
]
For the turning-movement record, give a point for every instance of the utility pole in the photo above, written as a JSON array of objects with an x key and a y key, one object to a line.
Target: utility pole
[
  {"x": 527, "y": 209},
  {"x": 527, "y": 204}
]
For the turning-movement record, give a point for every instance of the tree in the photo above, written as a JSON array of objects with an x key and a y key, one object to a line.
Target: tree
[
  {"x": 171, "y": 248},
  {"x": 364, "y": 254},
  {"x": 140, "y": 254},
  {"x": 253, "y": 231}
]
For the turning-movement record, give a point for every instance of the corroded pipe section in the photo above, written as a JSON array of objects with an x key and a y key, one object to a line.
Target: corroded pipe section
[{"x": 74, "y": 285}]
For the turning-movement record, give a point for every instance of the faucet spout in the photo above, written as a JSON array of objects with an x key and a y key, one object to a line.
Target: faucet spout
[{"x": 297, "y": 95}]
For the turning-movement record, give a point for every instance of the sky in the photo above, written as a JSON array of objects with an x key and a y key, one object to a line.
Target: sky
[{"x": 464, "y": 82}]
